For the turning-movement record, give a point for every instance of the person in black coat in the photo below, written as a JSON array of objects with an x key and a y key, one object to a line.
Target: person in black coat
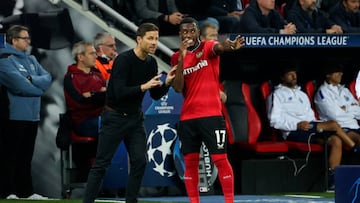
[
  {"x": 261, "y": 17},
  {"x": 346, "y": 14},
  {"x": 309, "y": 19}
]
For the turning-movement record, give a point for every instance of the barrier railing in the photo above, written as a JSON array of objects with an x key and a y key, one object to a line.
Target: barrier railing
[{"x": 122, "y": 20}]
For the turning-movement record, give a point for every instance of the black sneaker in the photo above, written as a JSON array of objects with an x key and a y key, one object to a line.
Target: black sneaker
[{"x": 331, "y": 180}]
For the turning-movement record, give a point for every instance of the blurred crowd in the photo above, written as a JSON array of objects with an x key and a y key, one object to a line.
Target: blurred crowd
[{"x": 245, "y": 16}]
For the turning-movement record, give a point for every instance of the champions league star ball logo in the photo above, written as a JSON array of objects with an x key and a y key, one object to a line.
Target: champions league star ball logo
[
  {"x": 159, "y": 149},
  {"x": 164, "y": 100}
]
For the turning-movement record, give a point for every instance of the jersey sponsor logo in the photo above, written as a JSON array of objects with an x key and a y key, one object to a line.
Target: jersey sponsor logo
[{"x": 198, "y": 66}]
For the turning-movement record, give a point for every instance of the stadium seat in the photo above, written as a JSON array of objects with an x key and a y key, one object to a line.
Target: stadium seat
[
  {"x": 266, "y": 89},
  {"x": 281, "y": 9},
  {"x": 351, "y": 87},
  {"x": 310, "y": 88},
  {"x": 227, "y": 120},
  {"x": 244, "y": 123},
  {"x": 68, "y": 169}
]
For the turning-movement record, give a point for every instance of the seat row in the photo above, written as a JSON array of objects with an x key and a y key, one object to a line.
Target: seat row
[
  {"x": 246, "y": 120},
  {"x": 249, "y": 128},
  {"x": 248, "y": 125}
]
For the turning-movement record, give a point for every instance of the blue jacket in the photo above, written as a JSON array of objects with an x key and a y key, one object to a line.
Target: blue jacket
[
  {"x": 25, "y": 80},
  {"x": 253, "y": 21},
  {"x": 349, "y": 22},
  {"x": 317, "y": 23}
]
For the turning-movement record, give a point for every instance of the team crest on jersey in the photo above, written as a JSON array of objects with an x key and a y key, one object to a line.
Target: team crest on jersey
[{"x": 199, "y": 54}]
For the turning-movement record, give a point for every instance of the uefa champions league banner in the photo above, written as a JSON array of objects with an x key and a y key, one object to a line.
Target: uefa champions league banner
[
  {"x": 169, "y": 104},
  {"x": 161, "y": 118},
  {"x": 165, "y": 161},
  {"x": 160, "y": 169},
  {"x": 299, "y": 40}
]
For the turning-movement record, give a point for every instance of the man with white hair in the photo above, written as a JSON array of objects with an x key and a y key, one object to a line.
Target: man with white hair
[{"x": 105, "y": 46}]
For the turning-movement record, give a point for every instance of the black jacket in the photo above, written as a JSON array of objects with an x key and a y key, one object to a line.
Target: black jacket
[
  {"x": 349, "y": 22},
  {"x": 253, "y": 21},
  {"x": 317, "y": 23}
]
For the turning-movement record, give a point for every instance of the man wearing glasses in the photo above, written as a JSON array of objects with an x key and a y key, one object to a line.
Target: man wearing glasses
[
  {"x": 25, "y": 81},
  {"x": 105, "y": 46}
]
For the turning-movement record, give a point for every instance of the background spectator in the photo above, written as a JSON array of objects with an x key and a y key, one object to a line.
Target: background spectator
[
  {"x": 326, "y": 5},
  {"x": 227, "y": 13},
  {"x": 335, "y": 102},
  {"x": 357, "y": 86},
  {"x": 11, "y": 7},
  {"x": 84, "y": 90},
  {"x": 261, "y": 17},
  {"x": 290, "y": 112},
  {"x": 309, "y": 19},
  {"x": 346, "y": 14},
  {"x": 125, "y": 8},
  {"x": 209, "y": 31},
  {"x": 191, "y": 8},
  {"x": 25, "y": 86},
  {"x": 163, "y": 13},
  {"x": 105, "y": 46}
]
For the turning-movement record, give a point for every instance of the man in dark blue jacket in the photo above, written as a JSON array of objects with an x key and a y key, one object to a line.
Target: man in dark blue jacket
[
  {"x": 346, "y": 14},
  {"x": 309, "y": 19},
  {"x": 261, "y": 17}
]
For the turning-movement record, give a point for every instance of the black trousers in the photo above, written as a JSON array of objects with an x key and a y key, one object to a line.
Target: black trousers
[
  {"x": 117, "y": 127},
  {"x": 18, "y": 142}
]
